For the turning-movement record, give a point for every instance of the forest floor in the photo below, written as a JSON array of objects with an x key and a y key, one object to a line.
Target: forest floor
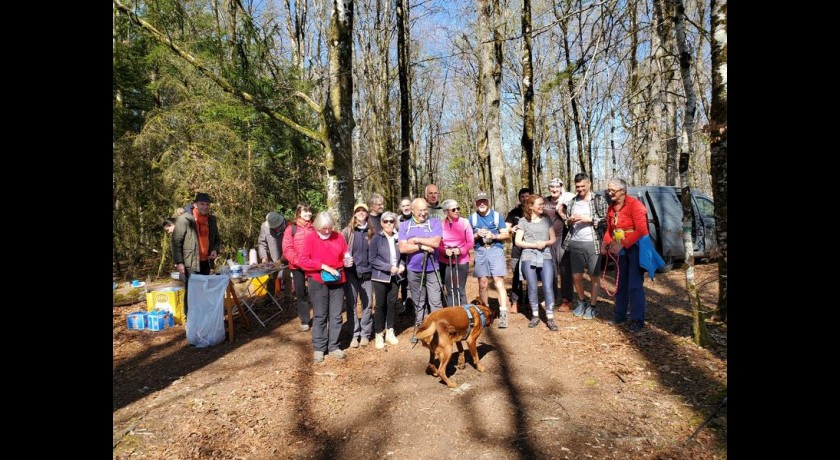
[{"x": 591, "y": 390}]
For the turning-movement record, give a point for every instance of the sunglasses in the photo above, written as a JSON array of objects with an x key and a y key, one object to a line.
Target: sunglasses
[
  {"x": 388, "y": 221},
  {"x": 455, "y": 209}
]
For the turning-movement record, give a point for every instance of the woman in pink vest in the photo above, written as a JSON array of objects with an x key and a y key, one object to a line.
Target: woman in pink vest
[{"x": 454, "y": 253}]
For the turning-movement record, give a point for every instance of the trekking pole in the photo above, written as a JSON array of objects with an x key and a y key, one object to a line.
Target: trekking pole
[
  {"x": 451, "y": 278},
  {"x": 709, "y": 419},
  {"x": 458, "y": 282},
  {"x": 422, "y": 281}
]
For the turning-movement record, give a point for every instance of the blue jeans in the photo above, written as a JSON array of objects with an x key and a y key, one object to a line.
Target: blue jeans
[
  {"x": 533, "y": 275},
  {"x": 630, "y": 287}
]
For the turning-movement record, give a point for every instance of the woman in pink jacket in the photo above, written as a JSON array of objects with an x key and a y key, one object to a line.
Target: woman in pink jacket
[
  {"x": 455, "y": 253},
  {"x": 293, "y": 239},
  {"x": 322, "y": 260}
]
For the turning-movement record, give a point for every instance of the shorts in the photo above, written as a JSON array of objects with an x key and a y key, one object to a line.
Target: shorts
[
  {"x": 489, "y": 262},
  {"x": 583, "y": 254}
]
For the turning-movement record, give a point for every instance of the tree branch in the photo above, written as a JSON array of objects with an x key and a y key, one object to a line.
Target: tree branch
[{"x": 224, "y": 84}]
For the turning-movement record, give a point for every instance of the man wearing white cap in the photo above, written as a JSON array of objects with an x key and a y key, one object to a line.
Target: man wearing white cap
[
  {"x": 489, "y": 230},
  {"x": 269, "y": 247},
  {"x": 557, "y": 215}
]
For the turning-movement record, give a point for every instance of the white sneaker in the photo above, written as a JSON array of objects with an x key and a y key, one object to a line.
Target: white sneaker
[
  {"x": 390, "y": 337},
  {"x": 380, "y": 342}
]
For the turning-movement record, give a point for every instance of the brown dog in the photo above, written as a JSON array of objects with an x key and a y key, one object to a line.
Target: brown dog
[{"x": 444, "y": 328}]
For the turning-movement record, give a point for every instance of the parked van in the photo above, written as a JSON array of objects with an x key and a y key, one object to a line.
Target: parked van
[{"x": 665, "y": 222}]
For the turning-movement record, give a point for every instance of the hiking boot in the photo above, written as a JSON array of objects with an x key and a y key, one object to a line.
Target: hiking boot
[
  {"x": 338, "y": 353},
  {"x": 503, "y": 316},
  {"x": 636, "y": 326},
  {"x": 304, "y": 327},
  {"x": 379, "y": 340},
  {"x": 318, "y": 357},
  {"x": 534, "y": 321},
  {"x": 354, "y": 343},
  {"x": 413, "y": 339},
  {"x": 565, "y": 306},
  {"x": 364, "y": 342},
  {"x": 589, "y": 313},
  {"x": 390, "y": 337},
  {"x": 551, "y": 324},
  {"x": 581, "y": 308}
]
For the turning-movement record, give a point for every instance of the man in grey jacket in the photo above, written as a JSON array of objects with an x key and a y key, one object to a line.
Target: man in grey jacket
[
  {"x": 269, "y": 248},
  {"x": 195, "y": 241}
]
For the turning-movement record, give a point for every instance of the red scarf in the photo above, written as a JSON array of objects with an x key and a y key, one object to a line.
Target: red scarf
[{"x": 202, "y": 227}]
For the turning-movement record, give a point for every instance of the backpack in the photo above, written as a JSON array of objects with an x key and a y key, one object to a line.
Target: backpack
[
  {"x": 294, "y": 229},
  {"x": 474, "y": 219}
]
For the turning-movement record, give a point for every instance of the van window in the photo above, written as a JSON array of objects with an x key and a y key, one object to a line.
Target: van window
[{"x": 707, "y": 208}]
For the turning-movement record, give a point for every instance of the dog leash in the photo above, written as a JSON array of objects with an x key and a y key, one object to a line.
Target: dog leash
[{"x": 617, "y": 274}]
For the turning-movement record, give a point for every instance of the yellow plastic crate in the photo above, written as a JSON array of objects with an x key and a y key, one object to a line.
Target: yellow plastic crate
[
  {"x": 170, "y": 299},
  {"x": 258, "y": 286}
]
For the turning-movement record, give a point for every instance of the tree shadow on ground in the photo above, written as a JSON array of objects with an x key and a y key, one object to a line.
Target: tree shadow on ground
[{"x": 173, "y": 358}]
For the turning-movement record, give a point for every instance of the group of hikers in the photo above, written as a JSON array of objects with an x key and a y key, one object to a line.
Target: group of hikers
[{"x": 418, "y": 258}]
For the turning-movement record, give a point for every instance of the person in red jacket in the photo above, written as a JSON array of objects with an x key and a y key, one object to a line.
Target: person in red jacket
[
  {"x": 322, "y": 260},
  {"x": 626, "y": 225},
  {"x": 293, "y": 239}
]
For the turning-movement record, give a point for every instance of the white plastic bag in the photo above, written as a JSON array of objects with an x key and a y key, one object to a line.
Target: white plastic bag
[{"x": 205, "y": 321}]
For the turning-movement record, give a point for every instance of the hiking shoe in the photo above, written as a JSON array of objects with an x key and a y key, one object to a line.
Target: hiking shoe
[
  {"x": 534, "y": 322},
  {"x": 304, "y": 327},
  {"x": 589, "y": 313},
  {"x": 354, "y": 343},
  {"x": 318, "y": 357},
  {"x": 390, "y": 337},
  {"x": 551, "y": 324},
  {"x": 636, "y": 326},
  {"x": 503, "y": 315},
  {"x": 337, "y": 353},
  {"x": 413, "y": 339},
  {"x": 581, "y": 308},
  {"x": 615, "y": 322},
  {"x": 379, "y": 340},
  {"x": 364, "y": 342},
  {"x": 565, "y": 306}
]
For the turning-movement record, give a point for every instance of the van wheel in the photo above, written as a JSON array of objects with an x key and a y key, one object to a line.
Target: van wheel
[{"x": 669, "y": 264}]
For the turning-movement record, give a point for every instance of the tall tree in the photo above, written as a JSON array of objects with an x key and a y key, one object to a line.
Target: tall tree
[
  {"x": 718, "y": 132},
  {"x": 489, "y": 23},
  {"x": 403, "y": 56},
  {"x": 528, "y": 122},
  {"x": 701, "y": 336}
]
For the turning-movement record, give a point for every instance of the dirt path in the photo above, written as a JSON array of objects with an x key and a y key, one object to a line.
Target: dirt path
[{"x": 588, "y": 391}]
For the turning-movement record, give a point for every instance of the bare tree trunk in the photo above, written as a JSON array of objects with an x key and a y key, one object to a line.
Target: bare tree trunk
[
  {"x": 718, "y": 132},
  {"x": 570, "y": 83},
  {"x": 491, "y": 76},
  {"x": 296, "y": 26},
  {"x": 338, "y": 113},
  {"x": 527, "y": 143},
  {"x": 701, "y": 335},
  {"x": 406, "y": 136}
]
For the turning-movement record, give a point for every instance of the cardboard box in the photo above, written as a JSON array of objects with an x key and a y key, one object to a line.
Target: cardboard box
[
  {"x": 159, "y": 320},
  {"x": 137, "y": 321},
  {"x": 169, "y": 299}
]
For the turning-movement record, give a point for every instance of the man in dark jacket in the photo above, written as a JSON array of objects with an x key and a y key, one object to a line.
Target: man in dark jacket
[
  {"x": 269, "y": 247},
  {"x": 195, "y": 241}
]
